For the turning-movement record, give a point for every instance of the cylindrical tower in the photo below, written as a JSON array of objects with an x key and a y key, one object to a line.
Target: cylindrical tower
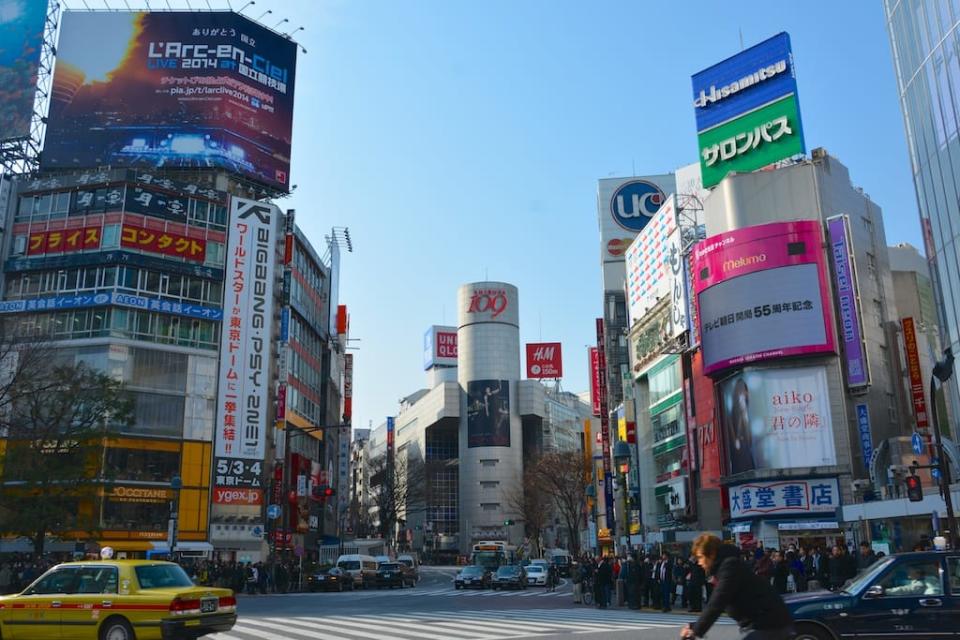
[{"x": 491, "y": 436}]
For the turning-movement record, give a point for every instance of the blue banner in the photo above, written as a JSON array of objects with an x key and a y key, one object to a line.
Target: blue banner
[
  {"x": 285, "y": 324},
  {"x": 83, "y": 301},
  {"x": 866, "y": 438}
]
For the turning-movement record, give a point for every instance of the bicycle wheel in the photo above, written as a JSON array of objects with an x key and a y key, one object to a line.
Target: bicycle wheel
[{"x": 587, "y": 596}]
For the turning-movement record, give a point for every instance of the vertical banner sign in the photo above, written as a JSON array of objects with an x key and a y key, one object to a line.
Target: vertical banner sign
[
  {"x": 605, "y": 423},
  {"x": 848, "y": 297},
  {"x": 866, "y": 438},
  {"x": 916, "y": 377},
  {"x": 679, "y": 305},
  {"x": 245, "y": 341},
  {"x": 343, "y": 495},
  {"x": 595, "y": 380},
  {"x": 389, "y": 469},
  {"x": 347, "y": 387}
]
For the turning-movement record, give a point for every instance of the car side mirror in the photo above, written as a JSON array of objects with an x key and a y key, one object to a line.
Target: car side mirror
[{"x": 876, "y": 591}]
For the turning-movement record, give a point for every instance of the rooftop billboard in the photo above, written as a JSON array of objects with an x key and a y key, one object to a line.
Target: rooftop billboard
[
  {"x": 21, "y": 41},
  {"x": 172, "y": 90}
]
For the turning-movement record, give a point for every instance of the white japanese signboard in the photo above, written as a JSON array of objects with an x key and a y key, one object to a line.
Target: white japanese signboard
[{"x": 784, "y": 497}]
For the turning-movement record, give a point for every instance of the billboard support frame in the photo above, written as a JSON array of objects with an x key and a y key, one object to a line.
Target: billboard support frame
[{"x": 21, "y": 156}]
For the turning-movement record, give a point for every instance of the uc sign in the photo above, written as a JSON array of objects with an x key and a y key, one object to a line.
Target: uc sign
[{"x": 634, "y": 203}]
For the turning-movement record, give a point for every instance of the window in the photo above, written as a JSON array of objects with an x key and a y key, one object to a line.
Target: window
[
  {"x": 143, "y": 465},
  {"x": 215, "y": 252},
  {"x": 111, "y": 236},
  {"x": 57, "y": 581},
  {"x": 917, "y": 578},
  {"x": 162, "y": 576},
  {"x": 94, "y": 580},
  {"x": 19, "y": 245}
]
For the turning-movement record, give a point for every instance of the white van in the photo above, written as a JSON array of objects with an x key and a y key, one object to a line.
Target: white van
[{"x": 362, "y": 568}]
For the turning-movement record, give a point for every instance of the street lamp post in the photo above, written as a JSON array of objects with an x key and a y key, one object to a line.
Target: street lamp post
[
  {"x": 942, "y": 371},
  {"x": 622, "y": 457},
  {"x": 176, "y": 483}
]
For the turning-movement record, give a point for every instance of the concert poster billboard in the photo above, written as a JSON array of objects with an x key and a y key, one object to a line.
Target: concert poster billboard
[
  {"x": 22, "y": 24},
  {"x": 172, "y": 89},
  {"x": 488, "y": 413}
]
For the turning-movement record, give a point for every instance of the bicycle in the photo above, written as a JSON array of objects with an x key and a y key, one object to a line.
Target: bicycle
[{"x": 586, "y": 591}]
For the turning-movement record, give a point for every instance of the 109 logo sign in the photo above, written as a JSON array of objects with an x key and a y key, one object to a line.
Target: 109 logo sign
[{"x": 493, "y": 301}]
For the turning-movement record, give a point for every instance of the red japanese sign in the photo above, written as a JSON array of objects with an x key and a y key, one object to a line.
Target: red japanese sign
[
  {"x": 544, "y": 360},
  {"x": 170, "y": 244},
  {"x": 63, "y": 241},
  {"x": 595, "y": 381},
  {"x": 347, "y": 386},
  {"x": 234, "y": 495},
  {"x": 916, "y": 376}
]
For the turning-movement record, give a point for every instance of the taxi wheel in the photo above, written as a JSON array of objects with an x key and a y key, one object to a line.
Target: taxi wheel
[
  {"x": 116, "y": 629},
  {"x": 810, "y": 632}
]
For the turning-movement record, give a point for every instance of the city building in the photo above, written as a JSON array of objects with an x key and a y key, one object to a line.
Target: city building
[{"x": 923, "y": 41}]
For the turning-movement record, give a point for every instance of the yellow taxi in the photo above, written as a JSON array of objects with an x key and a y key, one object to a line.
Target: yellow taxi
[{"x": 116, "y": 600}]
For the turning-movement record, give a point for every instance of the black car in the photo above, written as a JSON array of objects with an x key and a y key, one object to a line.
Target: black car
[
  {"x": 394, "y": 574},
  {"x": 909, "y": 596},
  {"x": 330, "y": 579},
  {"x": 510, "y": 576},
  {"x": 473, "y": 577}
]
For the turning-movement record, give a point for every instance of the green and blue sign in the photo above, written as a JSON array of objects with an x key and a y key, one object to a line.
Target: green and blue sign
[{"x": 747, "y": 111}]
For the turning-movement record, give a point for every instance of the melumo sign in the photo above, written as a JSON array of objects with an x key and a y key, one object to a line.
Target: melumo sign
[{"x": 747, "y": 112}]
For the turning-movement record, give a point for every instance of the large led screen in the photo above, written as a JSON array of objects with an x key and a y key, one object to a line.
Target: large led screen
[
  {"x": 488, "y": 413},
  {"x": 172, "y": 90},
  {"x": 21, "y": 41}
]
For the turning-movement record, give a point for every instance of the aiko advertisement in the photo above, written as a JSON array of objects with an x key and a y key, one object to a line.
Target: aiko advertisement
[
  {"x": 762, "y": 294},
  {"x": 777, "y": 419},
  {"x": 21, "y": 42},
  {"x": 488, "y": 413},
  {"x": 172, "y": 89}
]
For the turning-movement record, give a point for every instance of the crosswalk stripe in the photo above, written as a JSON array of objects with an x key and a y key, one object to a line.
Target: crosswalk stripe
[
  {"x": 396, "y": 630},
  {"x": 487, "y": 627},
  {"x": 267, "y": 635},
  {"x": 567, "y": 622},
  {"x": 508, "y": 624}
]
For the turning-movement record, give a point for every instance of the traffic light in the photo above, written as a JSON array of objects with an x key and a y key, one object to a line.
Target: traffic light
[
  {"x": 914, "y": 488},
  {"x": 324, "y": 492},
  {"x": 507, "y": 523}
]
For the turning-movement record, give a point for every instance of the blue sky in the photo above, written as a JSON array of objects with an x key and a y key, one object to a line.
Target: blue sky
[{"x": 463, "y": 140}]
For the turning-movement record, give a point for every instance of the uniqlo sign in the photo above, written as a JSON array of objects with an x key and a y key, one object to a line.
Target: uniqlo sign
[{"x": 544, "y": 360}]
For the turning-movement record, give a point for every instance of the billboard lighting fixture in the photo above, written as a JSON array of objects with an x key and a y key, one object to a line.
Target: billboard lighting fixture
[
  {"x": 280, "y": 23},
  {"x": 267, "y": 12},
  {"x": 240, "y": 10},
  {"x": 187, "y": 144}
]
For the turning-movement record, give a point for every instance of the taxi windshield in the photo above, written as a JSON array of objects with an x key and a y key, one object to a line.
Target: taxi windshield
[
  {"x": 162, "y": 576},
  {"x": 866, "y": 578}
]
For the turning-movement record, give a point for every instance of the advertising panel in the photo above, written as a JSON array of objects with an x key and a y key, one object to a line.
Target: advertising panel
[
  {"x": 242, "y": 496},
  {"x": 243, "y": 381},
  {"x": 172, "y": 89},
  {"x": 866, "y": 437},
  {"x": 544, "y": 360},
  {"x": 150, "y": 202},
  {"x": 343, "y": 473},
  {"x": 762, "y": 294},
  {"x": 594, "y": 381},
  {"x": 649, "y": 259},
  {"x": 63, "y": 241},
  {"x": 440, "y": 347},
  {"x": 705, "y": 424},
  {"x": 679, "y": 285},
  {"x": 743, "y": 82},
  {"x": 848, "y": 297},
  {"x": 163, "y": 242},
  {"x": 624, "y": 207},
  {"x": 488, "y": 413},
  {"x": 22, "y": 24},
  {"x": 605, "y": 422},
  {"x": 916, "y": 376},
  {"x": 347, "y": 387},
  {"x": 777, "y": 419},
  {"x": 115, "y": 298},
  {"x": 789, "y": 497}
]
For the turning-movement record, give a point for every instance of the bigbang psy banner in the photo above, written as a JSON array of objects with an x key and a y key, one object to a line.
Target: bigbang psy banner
[
  {"x": 172, "y": 90},
  {"x": 21, "y": 41},
  {"x": 488, "y": 413},
  {"x": 777, "y": 419}
]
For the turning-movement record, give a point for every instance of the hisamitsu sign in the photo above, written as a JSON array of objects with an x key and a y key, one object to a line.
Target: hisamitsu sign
[{"x": 784, "y": 497}]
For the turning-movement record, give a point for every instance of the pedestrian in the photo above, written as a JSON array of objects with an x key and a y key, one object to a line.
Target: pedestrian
[
  {"x": 646, "y": 580},
  {"x": 779, "y": 572},
  {"x": 605, "y": 582},
  {"x": 666, "y": 582},
  {"x": 840, "y": 567},
  {"x": 253, "y": 578},
  {"x": 551, "y": 577},
  {"x": 635, "y": 581},
  {"x": 744, "y": 596},
  {"x": 680, "y": 582},
  {"x": 695, "y": 585},
  {"x": 866, "y": 558}
]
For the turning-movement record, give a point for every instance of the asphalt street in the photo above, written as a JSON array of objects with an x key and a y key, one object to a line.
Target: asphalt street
[{"x": 434, "y": 610}]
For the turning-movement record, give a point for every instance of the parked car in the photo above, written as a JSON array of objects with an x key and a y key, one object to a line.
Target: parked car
[
  {"x": 510, "y": 576},
  {"x": 394, "y": 574},
  {"x": 537, "y": 575},
  {"x": 911, "y": 596},
  {"x": 330, "y": 579},
  {"x": 473, "y": 577},
  {"x": 363, "y": 569}
]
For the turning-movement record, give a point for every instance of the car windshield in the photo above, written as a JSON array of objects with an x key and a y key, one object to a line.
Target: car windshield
[
  {"x": 472, "y": 571},
  {"x": 864, "y": 580},
  {"x": 561, "y": 560},
  {"x": 389, "y": 566},
  {"x": 535, "y": 569},
  {"x": 162, "y": 576},
  {"x": 407, "y": 562},
  {"x": 507, "y": 571},
  {"x": 349, "y": 565}
]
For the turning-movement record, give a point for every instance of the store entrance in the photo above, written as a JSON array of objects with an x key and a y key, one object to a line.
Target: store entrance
[{"x": 812, "y": 539}]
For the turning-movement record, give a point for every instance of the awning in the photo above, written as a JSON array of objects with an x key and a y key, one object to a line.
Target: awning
[
  {"x": 126, "y": 545},
  {"x": 161, "y": 547}
]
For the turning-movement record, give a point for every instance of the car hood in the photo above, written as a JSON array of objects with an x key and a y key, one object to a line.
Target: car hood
[
  {"x": 803, "y": 605},
  {"x": 813, "y": 596}
]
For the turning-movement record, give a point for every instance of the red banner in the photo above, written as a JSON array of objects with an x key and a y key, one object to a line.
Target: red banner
[
  {"x": 595, "y": 381},
  {"x": 544, "y": 360},
  {"x": 63, "y": 241},
  {"x": 916, "y": 376},
  {"x": 169, "y": 244},
  {"x": 347, "y": 387},
  {"x": 236, "y": 495}
]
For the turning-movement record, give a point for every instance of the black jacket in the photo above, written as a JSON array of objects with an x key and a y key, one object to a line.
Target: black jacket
[{"x": 746, "y": 597}]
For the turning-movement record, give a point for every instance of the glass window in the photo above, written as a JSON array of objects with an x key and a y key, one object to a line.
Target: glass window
[
  {"x": 916, "y": 578},
  {"x": 41, "y": 205},
  {"x": 90, "y": 278},
  {"x": 151, "y": 281},
  {"x": 158, "y": 414},
  {"x": 953, "y": 574},
  {"x": 664, "y": 381},
  {"x": 94, "y": 580},
  {"x": 60, "y": 204},
  {"x": 135, "y": 516},
  {"x": 111, "y": 236},
  {"x": 19, "y": 245},
  {"x": 162, "y": 576},
  {"x": 108, "y": 277},
  {"x": 667, "y": 424},
  {"x": 56, "y": 581},
  {"x": 214, "y": 253},
  {"x": 143, "y": 465},
  {"x": 174, "y": 281}
]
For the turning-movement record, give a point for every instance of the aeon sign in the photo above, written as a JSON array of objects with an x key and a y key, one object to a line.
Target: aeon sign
[
  {"x": 492, "y": 301},
  {"x": 634, "y": 203}
]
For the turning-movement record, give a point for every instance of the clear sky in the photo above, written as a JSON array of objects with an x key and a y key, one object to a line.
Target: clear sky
[{"x": 463, "y": 140}]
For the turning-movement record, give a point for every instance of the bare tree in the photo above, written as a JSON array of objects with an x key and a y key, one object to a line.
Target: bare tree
[
  {"x": 56, "y": 418},
  {"x": 398, "y": 492},
  {"x": 561, "y": 474},
  {"x": 533, "y": 504}
]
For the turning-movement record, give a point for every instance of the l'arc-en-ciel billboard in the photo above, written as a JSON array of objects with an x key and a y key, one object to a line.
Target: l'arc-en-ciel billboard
[
  {"x": 747, "y": 111},
  {"x": 172, "y": 89},
  {"x": 762, "y": 294},
  {"x": 22, "y": 24}
]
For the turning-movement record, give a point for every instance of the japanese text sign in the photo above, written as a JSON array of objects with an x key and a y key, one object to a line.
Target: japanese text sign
[
  {"x": 164, "y": 242},
  {"x": 63, "y": 240},
  {"x": 787, "y": 497}
]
